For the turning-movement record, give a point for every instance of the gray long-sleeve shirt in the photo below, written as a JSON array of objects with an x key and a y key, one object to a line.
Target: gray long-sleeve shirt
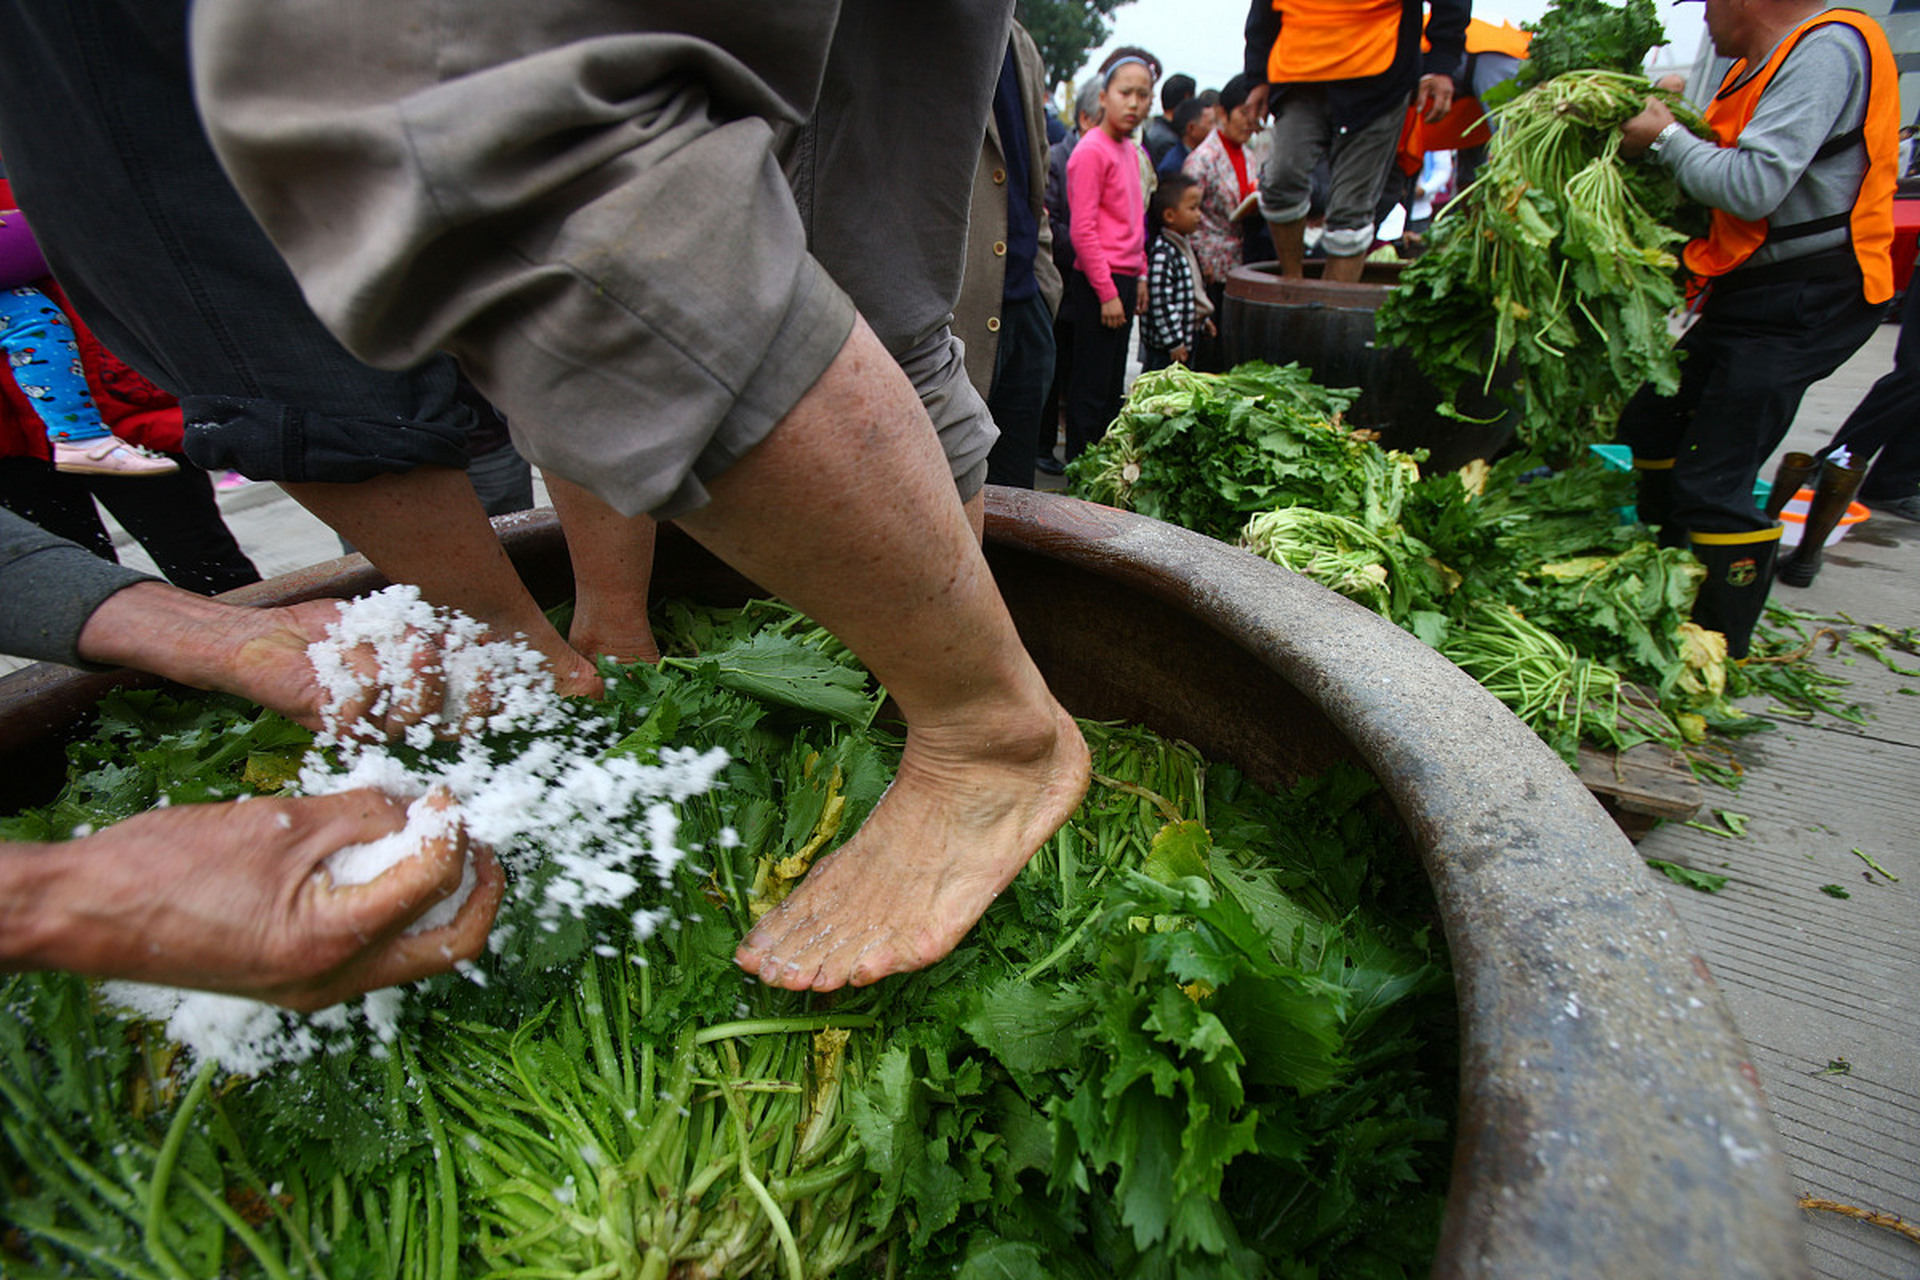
[
  {"x": 1819, "y": 93},
  {"x": 50, "y": 587}
]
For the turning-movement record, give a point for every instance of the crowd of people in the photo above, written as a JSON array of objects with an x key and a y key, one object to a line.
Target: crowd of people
[{"x": 698, "y": 266}]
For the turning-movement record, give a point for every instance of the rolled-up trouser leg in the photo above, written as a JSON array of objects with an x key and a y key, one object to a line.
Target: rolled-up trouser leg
[
  {"x": 579, "y": 200},
  {"x": 1359, "y": 160},
  {"x": 884, "y": 193},
  {"x": 585, "y": 208},
  {"x": 106, "y": 155}
]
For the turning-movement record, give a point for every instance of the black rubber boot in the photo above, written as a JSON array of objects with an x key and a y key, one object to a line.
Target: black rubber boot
[
  {"x": 1831, "y": 495},
  {"x": 1795, "y": 470},
  {"x": 1653, "y": 500},
  {"x": 1734, "y": 593}
]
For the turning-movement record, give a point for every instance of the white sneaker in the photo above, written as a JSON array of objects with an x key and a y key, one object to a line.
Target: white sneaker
[{"x": 110, "y": 456}]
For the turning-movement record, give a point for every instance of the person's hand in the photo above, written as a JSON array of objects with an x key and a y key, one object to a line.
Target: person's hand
[
  {"x": 1638, "y": 132},
  {"x": 261, "y": 655},
  {"x": 1139, "y": 297},
  {"x": 235, "y": 898},
  {"x": 1257, "y": 100},
  {"x": 1112, "y": 314},
  {"x": 1434, "y": 98},
  {"x": 1212, "y": 330},
  {"x": 1179, "y": 354}
]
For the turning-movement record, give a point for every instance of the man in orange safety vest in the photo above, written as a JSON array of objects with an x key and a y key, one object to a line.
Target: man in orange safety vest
[{"x": 1797, "y": 270}]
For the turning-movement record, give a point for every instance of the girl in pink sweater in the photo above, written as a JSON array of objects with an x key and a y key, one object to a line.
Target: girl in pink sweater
[{"x": 1106, "y": 200}]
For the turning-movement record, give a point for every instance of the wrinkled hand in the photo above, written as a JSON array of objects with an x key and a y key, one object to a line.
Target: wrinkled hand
[
  {"x": 1112, "y": 313},
  {"x": 261, "y": 654},
  {"x": 234, "y": 898},
  {"x": 1434, "y": 98},
  {"x": 1638, "y": 132},
  {"x": 270, "y": 666}
]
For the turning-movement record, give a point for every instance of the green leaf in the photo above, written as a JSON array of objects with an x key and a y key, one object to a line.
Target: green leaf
[
  {"x": 1179, "y": 849},
  {"x": 786, "y": 670},
  {"x": 1704, "y": 881}
]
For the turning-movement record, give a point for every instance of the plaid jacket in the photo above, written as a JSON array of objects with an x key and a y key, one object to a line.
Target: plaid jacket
[{"x": 1171, "y": 321}]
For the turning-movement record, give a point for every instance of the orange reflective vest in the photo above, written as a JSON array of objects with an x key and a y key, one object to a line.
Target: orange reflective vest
[
  {"x": 1730, "y": 241},
  {"x": 1465, "y": 124},
  {"x": 1334, "y": 39}
]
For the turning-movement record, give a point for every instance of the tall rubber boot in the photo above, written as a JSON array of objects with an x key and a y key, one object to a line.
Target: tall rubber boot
[
  {"x": 1794, "y": 471},
  {"x": 1831, "y": 495},
  {"x": 1653, "y": 500},
  {"x": 1734, "y": 593}
]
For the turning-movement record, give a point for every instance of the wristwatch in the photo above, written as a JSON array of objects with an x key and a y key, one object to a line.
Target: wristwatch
[{"x": 1662, "y": 138}]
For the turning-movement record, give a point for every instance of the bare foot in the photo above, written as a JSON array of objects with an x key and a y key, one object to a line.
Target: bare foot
[
  {"x": 626, "y": 643},
  {"x": 573, "y": 675},
  {"x": 963, "y": 816}
]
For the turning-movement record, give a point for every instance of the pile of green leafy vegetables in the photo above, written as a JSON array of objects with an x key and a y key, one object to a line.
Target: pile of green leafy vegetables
[
  {"x": 1588, "y": 35},
  {"x": 1535, "y": 581},
  {"x": 1558, "y": 264},
  {"x": 1208, "y": 1032}
]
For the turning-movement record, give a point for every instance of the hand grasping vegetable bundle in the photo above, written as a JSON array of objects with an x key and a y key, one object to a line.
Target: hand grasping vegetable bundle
[{"x": 1561, "y": 251}]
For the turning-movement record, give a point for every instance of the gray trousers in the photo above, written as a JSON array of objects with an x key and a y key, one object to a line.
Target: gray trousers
[
  {"x": 1303, "y": 135},
  {"x": 642, "y": 227}
]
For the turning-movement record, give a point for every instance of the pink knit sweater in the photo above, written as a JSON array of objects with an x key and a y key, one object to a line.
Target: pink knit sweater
[{"x": 1109, "y": 211}]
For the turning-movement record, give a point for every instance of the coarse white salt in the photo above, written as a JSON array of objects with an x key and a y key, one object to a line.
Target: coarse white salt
[
  {"x": 526, "y": 779},
  {"x": 574, "y": 831},
  {"x": 358, "y": 864}
]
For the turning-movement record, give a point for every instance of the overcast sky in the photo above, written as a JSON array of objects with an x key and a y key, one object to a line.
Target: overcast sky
[{"x": 1202, "y": 37}]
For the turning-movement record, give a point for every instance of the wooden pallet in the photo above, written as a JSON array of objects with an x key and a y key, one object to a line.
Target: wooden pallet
[{"x": 1641, "y": 786}]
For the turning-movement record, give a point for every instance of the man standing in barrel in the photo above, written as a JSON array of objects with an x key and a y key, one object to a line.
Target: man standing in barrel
[
  {"x": 1796, "y": 270},
  {"x": 1338, "y": 75}
]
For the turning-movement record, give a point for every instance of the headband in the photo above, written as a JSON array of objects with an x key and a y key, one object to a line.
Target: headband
[{"x": 1138, "y": 62}]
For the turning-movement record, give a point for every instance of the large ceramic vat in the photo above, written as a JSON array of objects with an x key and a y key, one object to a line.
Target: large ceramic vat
[
  {"x": 1327, "y": 325},
  {"x": 1610, "y": 1124}
]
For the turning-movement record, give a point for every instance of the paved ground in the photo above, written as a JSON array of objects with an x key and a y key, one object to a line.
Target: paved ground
[
  {"x": 1812, "y": 979},
  {"x": 1816, "y": 980}
]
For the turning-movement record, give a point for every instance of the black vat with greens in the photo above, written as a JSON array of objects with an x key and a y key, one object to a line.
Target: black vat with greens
[
  {"x": 1609, "y": 1122},
  {"x": 1327, "y": 325}
]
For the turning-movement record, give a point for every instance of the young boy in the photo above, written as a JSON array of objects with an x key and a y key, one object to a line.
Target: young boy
[{"x": 1178, "y": 309}]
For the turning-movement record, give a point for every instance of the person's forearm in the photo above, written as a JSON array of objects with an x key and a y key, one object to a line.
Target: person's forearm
[
  {"x": 1745, "y": 182},
  {"x": 173, "y": 633},
  {"x": 30, "y": 914}
]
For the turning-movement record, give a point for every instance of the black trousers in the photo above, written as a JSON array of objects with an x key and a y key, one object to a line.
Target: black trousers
[
  {"x": 174, "y": 517},
  {"x": 1885, "y": 427},
  {"x": 1099, "y": 362},
  {"x": 1022, "y": 374},
  {"x": 1745, "y": 365}
]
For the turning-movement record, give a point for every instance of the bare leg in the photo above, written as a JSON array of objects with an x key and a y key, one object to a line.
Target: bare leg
[
  {"x": 1347, "y": 268},
  {"x": 847, "y": 511},
  {"x": 427, "y": 527},
  {"x": 976, "y": 509},
  {"x": 612, "y": 569},
  {"x": 1290, "y": 246}
]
